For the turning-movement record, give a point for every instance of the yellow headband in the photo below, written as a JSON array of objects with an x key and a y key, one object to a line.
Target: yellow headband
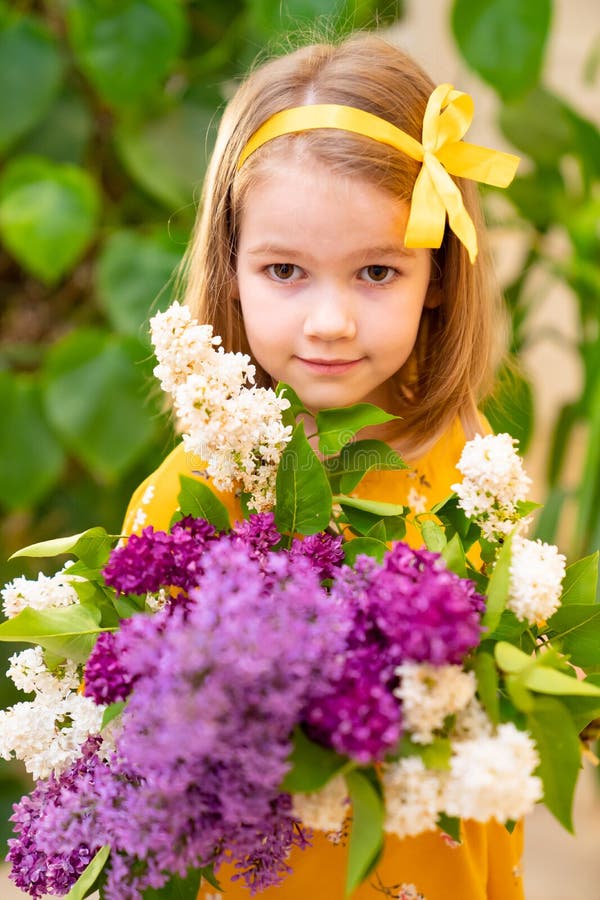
[{"x": 442, "y": 153}]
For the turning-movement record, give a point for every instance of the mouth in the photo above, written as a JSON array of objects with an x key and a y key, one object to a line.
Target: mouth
[{"x": 329, "y": 366}]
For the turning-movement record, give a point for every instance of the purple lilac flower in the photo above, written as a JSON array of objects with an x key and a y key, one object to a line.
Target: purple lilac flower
[
  {"x": 156, "y": 559},
  {"x": 105, "y": 679},
  {"x": 323, "y": 550},
  {"x": 205, "y": 738},
  {"x": 409, "y": 608},
  {"x": 42, "y": 869},
  {"x": 428, "y": 613},
  {"x": 254, "y": 861},
  {"x": 259, "y": 531}
]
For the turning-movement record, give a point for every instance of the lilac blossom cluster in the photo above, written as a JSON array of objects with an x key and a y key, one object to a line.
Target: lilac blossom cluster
[
  {"x": 155, "y": 559},
  {"x": 217, "y": 687},
  {"x": 410, "y": 608},
  {"x": 40, "y": 863}
]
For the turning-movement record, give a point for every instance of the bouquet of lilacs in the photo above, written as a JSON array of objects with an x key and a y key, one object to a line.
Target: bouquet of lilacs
[{"x": 214, "y": 692}]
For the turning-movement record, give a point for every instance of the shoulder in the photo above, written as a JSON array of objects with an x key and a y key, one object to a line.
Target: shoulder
[{"x": 156, "y": 499}]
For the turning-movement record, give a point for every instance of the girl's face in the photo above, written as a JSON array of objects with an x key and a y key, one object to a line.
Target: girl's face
[{"x": 331, "y": 298}]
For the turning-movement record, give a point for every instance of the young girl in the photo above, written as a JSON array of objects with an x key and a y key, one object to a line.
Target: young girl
[{"x": 338, "y": 247}]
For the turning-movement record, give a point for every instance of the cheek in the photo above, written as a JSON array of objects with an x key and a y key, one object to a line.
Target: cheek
[{"x": 398, "y": 339}]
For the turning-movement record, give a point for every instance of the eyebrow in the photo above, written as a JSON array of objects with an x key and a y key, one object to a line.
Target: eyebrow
[{"x": 282, "y": 251}]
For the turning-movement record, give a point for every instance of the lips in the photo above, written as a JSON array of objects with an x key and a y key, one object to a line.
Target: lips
[{"x": 329, "y": 366}]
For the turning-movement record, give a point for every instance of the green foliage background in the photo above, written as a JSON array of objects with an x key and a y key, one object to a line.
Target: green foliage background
[{"x": 108, "y": 109}]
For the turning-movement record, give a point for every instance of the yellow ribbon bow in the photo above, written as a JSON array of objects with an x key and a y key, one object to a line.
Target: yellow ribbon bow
[{"x": 442, "y": 153}]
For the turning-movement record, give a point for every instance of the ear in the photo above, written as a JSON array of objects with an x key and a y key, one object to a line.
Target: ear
[{"x": 434, "y": 295}]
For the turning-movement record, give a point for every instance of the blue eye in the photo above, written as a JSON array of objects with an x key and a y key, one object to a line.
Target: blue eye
[
  {"x": 283, "y": 271},
  {"x": 378, "y": 274}
]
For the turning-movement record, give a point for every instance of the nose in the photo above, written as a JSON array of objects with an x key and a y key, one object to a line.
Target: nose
[{"x": 331, "y": 315}]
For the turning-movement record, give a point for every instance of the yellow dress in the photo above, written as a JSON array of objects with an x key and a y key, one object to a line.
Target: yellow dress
[{"x": 487, "y": 863}]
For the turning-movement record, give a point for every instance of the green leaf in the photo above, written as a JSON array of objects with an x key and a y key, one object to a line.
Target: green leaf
[
  {"x": 92, "y": 547},
  {"x": 129, "y": 605},
  {"x": 497, "y": 592},
  {"x": 450, "y": 825},
  {"x": 64, "y": 133},
  {"x": 366, "y": 838},
  {"x": 453, "y": 517},
  {"x": 509, "y": 628},
  {"x": 364, "y": 545},
  {"x": 487, "y": 684},
  {"x": 547, "y": 523},
  {"x": 369, "y": 524},
  {"x": 178, "y": 888},
  {"x": 545, "y": 680},
  {"x": 208, "y": 874},
  {"x": 296, "y": 405},
  {"x": 538, "y": 197},
  {"x": 167, "y": 155},
  {"x": 583, "y": 709},
  {"x": 359, "y": 457},
  {"x": 196, "y": 499},
  {"x": 32, "y": 458},
  {"x": 375, "y": 507},
  {"x": 568, "y": 417},
  {"x": 337, "y": 427},
  {"x": 377, "y": 531},
  {"x": 112, "y": 712},
  {"x": 503, "y": 40},
  {"x": 433, "y": 535},
  {"x": 581, "y": 581},
  {"x": 96, "y": 396},
  {"x": 90, "y": 875},
  {"x": 303, "y": 493},
  {"x": 454, "y": 556},
  {"x": 312, "y": 766},
  {"x": 437, "y": 754},
  {"x": 577, "y": 629},
  {"x": 511, "y": 408},
  {"x": 522, "y": 699},
  {"x": 68, "y": 631},
  {"x": 126, "y": 49},
  {"x": 558, "y": 746},
  {"x": 511, "y": 659},
  {"x": 31, "y": 71},
  {"x": 546, "y": 128},
  {"x": 133, "y": 277},
  {"x": 48, "y": 214}
]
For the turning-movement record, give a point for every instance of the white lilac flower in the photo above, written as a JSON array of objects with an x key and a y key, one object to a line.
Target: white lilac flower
[
  {"x": 472, "y": 722},
  {"x": 29, "y": 673},
  {"x": 413, "y": 796},
  {"x": 408, "y": 892},
  {"x": 416, "y": 501},
  {"x": 429, "y": 694},
  {"x": 234, "y": 426},
  {"x": 536, "y": 573},
  {"x": 325, "y": 810},
  {"x": 46, "y": 733},
  {"x": 157, "y": 601},
  {"x": 494, "y": 483},
  {"x": 492, "y": 777},
  {"x": 44, "y": 593},
  {"x": 181, "y": 345}
]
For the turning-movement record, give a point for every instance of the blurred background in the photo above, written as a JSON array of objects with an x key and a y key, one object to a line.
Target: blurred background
[{"x": 108, "y": 111}]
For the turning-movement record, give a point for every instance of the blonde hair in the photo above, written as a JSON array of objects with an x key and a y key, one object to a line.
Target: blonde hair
[{"x": 456, "y": 350}]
